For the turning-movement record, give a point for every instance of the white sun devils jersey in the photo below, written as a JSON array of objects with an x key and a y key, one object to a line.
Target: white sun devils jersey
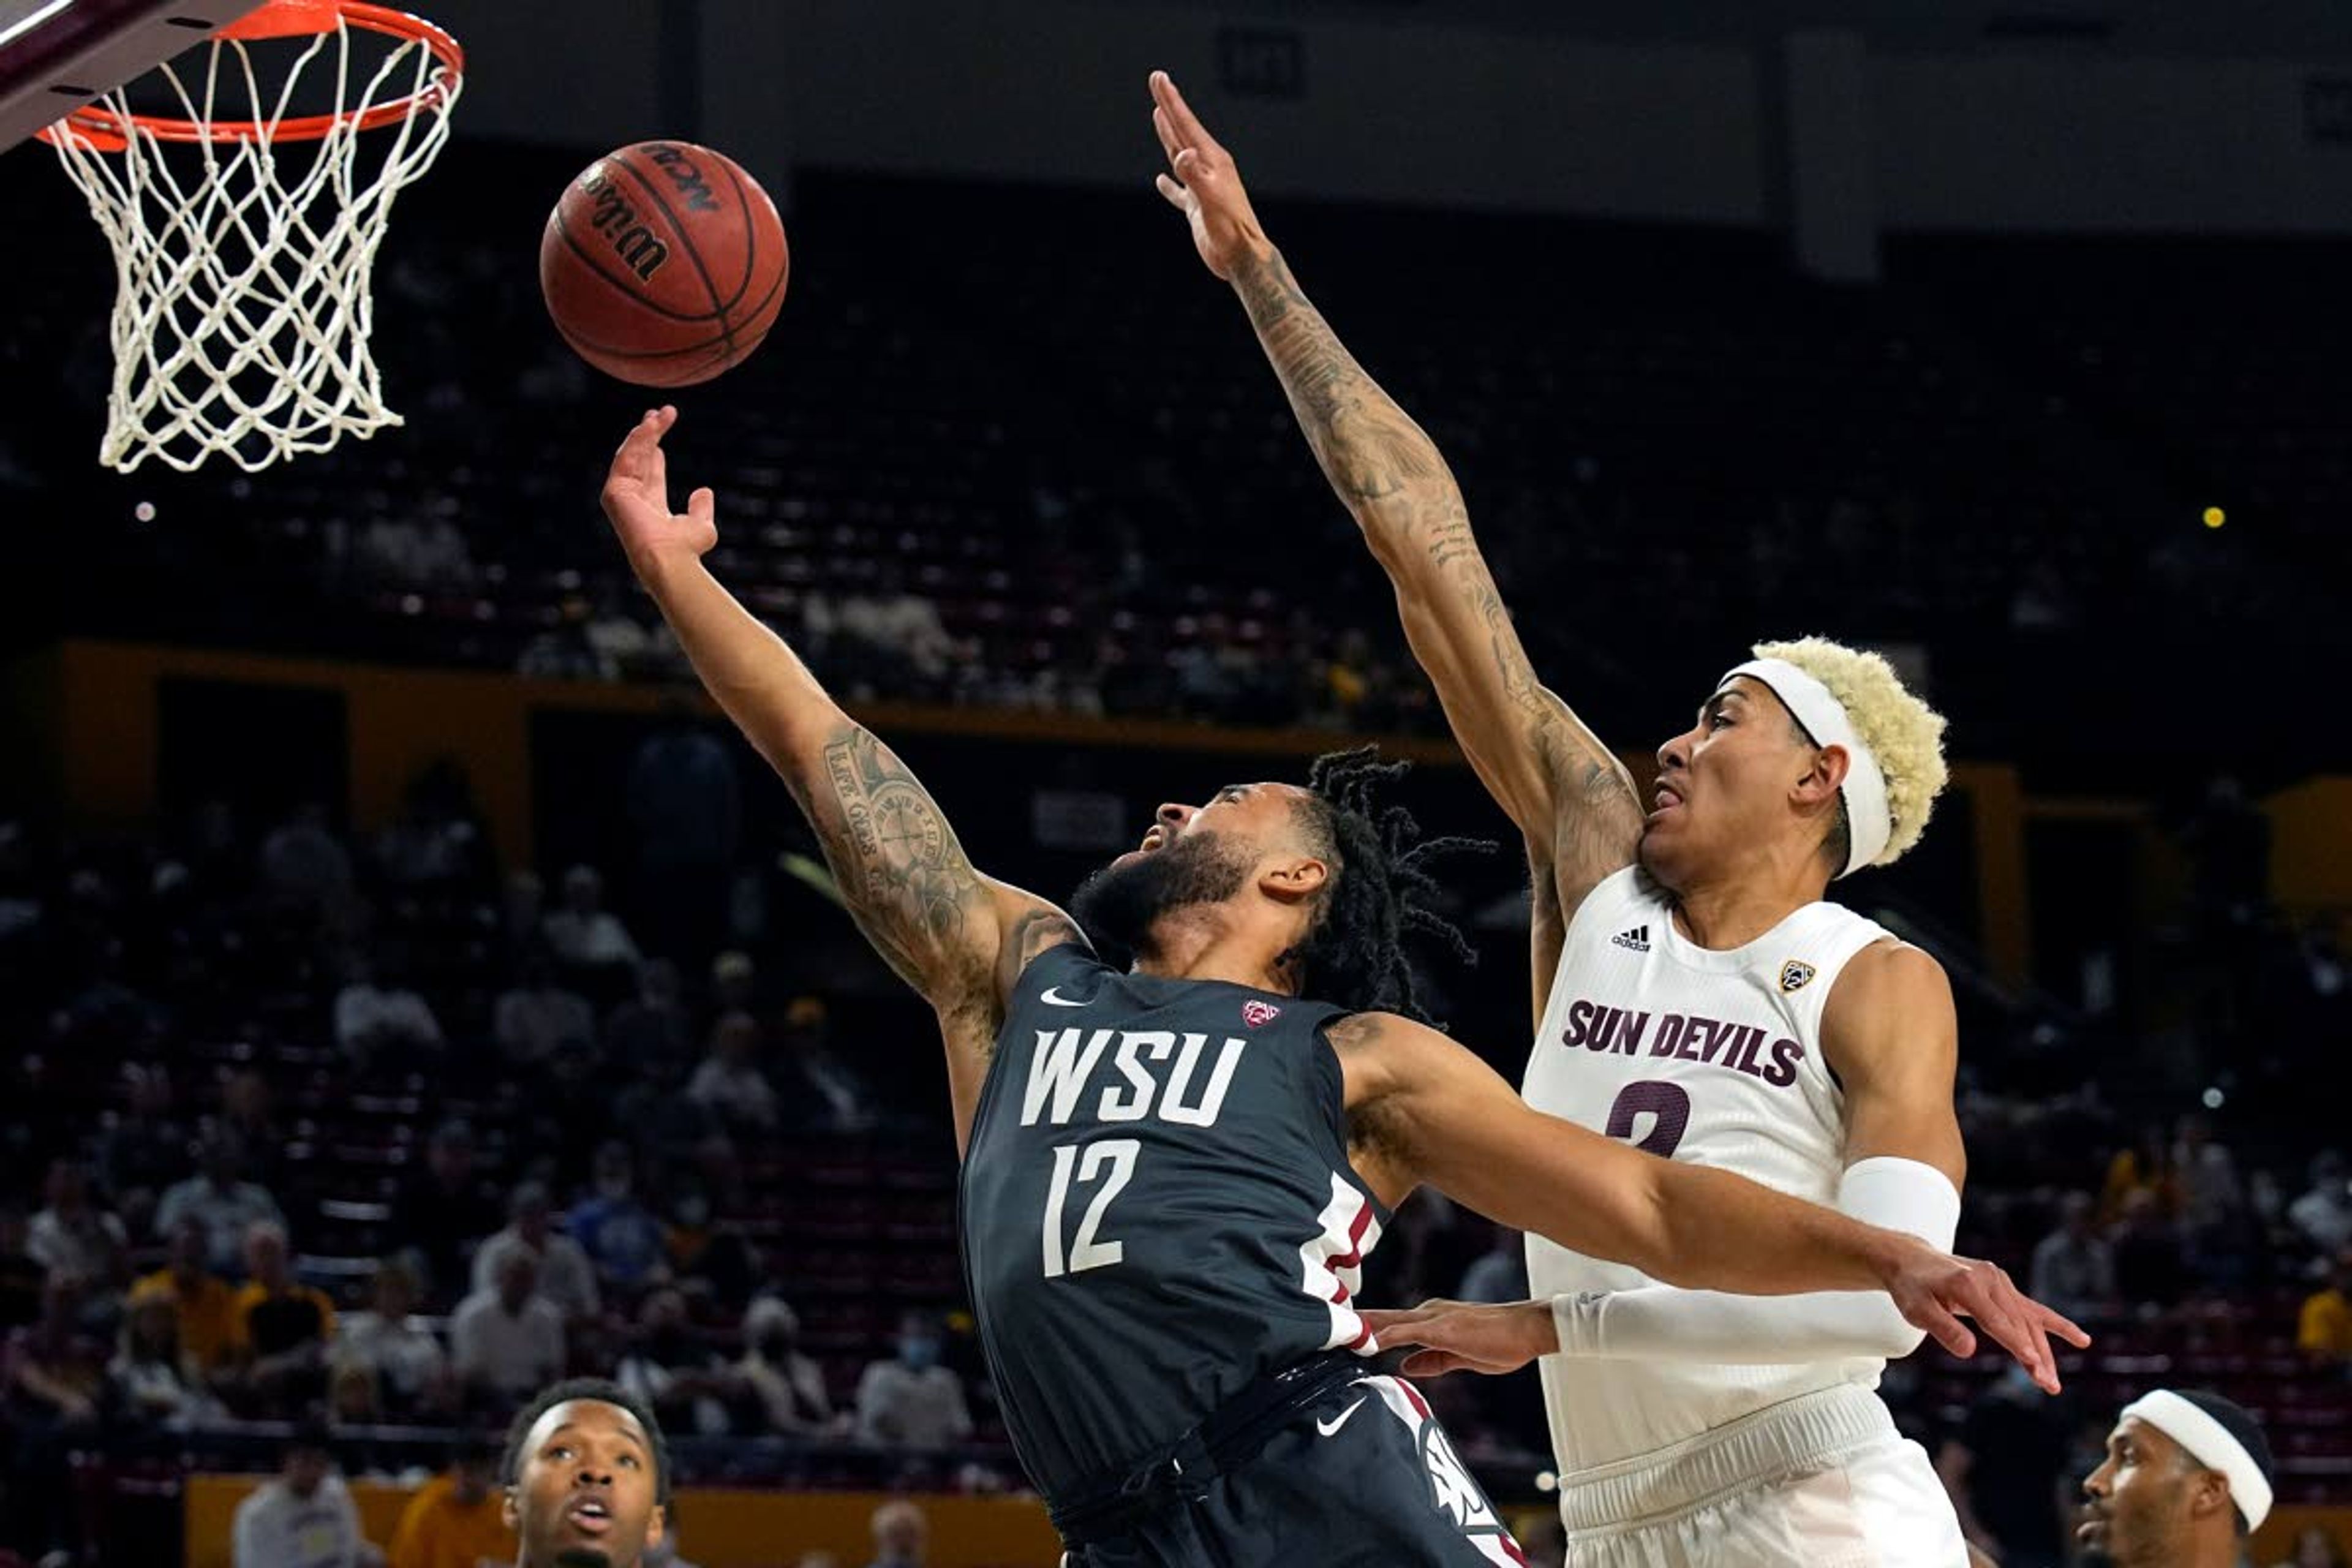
[{"x": 1713, "y": 1058}]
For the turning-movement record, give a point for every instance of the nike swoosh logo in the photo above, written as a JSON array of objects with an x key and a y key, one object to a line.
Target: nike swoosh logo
[
  {"x": 1325, "y": 1428},
  {"x": 1047, "y": 997}
]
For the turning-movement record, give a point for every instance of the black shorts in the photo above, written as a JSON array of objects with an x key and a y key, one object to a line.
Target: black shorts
[{"x": 1363, "y": 1478}]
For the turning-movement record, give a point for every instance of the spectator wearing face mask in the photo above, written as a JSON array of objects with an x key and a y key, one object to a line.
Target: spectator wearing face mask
[
  {"x": 785, "y": 1380},
  {"x": 912, "y": 1401}
]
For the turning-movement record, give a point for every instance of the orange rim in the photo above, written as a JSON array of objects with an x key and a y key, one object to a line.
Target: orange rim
[{"x": 111, "y": 133}]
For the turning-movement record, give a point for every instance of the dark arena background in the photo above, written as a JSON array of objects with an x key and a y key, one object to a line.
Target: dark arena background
[{"x": 371, "y": 863}]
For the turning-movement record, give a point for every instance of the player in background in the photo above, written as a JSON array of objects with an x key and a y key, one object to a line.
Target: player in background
[
  {"x": 587, "y": 1477},
  {"x": 2187, "y": 1479},
  {"x": 1692, "y": 990}
]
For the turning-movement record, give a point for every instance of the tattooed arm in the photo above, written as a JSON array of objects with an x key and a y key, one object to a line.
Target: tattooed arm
[
  {"x": 958, "y": 937},
  {"x": 1568, "y": 793}
]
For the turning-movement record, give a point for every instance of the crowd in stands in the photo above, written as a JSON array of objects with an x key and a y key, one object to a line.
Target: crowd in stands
[{"x": 359, "y": 1135}]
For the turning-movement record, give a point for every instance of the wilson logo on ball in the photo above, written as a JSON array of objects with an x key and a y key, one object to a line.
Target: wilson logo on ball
[{"x": 618, "y": 221}]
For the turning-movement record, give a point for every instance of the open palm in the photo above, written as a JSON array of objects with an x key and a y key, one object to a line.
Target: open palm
[{"x": 636, "y": 498}]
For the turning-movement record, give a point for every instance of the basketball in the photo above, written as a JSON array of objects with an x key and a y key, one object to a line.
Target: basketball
[{"x": 664, "y": 264}]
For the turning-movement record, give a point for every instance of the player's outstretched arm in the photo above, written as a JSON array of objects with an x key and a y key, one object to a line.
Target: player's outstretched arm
[
  {"x": 1892, "y": 1035},
  {"x": 1565, "y": 790},
  {"x": 1427, "y": 1110},
  {"x": 954, "y": 935}
]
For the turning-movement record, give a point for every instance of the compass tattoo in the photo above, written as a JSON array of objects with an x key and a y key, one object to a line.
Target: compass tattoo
[{"x": 896, "y": 862}]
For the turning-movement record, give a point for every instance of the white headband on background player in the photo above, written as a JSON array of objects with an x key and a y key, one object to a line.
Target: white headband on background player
[
  {"x": 1869, "y": 822},
  {"x": 2211, "y": 1445}
]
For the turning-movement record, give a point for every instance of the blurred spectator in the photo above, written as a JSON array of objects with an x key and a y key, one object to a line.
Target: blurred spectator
[
  {"x": 204, "y": 1303},
  {"x": 653, "y": 1023},
  {"x": 457, "y": 1520},
  {"x": 352, "y": 1400},
  {"x": 686, "y": 815},
  {"x": 2142, "y": 1167},
  {"x": 2323, "y": 1214},
  {"x": 219, "y": 1198},
  {"x": 304, "y": 1516},
  {"x": 55, "y": 1376},
  {"x": 522, "y": 905},
  {"x": 707, "y": 1257},
  {"x": 403, "y": 552},
  {"x": 2324, "y": 1328},
  {"x": 2211, "y": 1195},
  {"x": 21, "y": 1275},
  {"x": 730, "y": 1083},
  {"x": 826, "y": 1095},
  {"x": 153, "y": 1379},
  {"x": 2004, "y": 1472},
  {"x": 734, "y": 983},
  {"x": 304, "y": 866},
  {"x": 1500, "y": 1273},
  {"x": 371, "y": 1018},
  {"x": 440, "y": 1213},
  {"x": 562, "y": 651},
  {"x": 665, "y": 1122},
  {"x": 410, "y": 1369},
  {"x": 902, "y": 1534},
  {"x": 435, "y": 841},
  {"x": 583, "y": 933},
  {"x": 564, "y": 1277},
  {"x": 2150, "y": 1270},
  {"x": 619, "y": 1234},
  {"x": 507, "y": 1341},
  {"x": 786, "y": 1379},
  {"x": 688, "y": 1385},
  {"x": 57, "y": 1372},
  {"x": 144, "y": 1149},
  {"x": 245, "y": 1114},
  {"x": 73, "y": 1235},
  {"x": 912, "y": 1401},
  {"x": 2074, "y": 1268},
  {"x": 540, "y": 1016},
  {"x": 2315, "y": 1547},
  {"x": 283, "y": 1327}
]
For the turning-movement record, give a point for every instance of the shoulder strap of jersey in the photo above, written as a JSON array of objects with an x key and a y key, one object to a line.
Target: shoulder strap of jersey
[
  {"x": 1615, "y": 896},
  {"x": 1069, "y": 963}
]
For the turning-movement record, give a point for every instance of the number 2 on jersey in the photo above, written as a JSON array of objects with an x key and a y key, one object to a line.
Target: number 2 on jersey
[
  {"x": 1668, "y": 1102},
  {"x": 1087, "y": 1162}
]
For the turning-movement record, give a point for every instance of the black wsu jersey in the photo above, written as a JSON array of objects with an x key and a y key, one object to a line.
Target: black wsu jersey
[{"x": 1157, "y": 1207}]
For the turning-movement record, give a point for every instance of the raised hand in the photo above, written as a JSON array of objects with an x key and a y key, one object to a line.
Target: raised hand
[
  {"x": 1934, "y": 1290},
  {"x": 637, "y": 498},
  {"x": 1204, "y": 185}
]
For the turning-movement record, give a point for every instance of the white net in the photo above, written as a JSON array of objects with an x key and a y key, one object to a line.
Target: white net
[{"x": 244, "y": 260}]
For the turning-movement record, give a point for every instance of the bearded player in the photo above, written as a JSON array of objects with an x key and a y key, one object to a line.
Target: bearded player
[
  {"x": 1694, "y": 995},
  {"x": 1171, "y": 1174}
]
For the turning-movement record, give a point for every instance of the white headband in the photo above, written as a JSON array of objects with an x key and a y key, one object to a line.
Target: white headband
[
  {"x": 1869, "y": 825},
  {"x": 2211, "y": 1445}
]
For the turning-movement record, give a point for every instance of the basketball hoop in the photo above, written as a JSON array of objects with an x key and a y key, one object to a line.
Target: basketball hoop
[{"x": 242, "y": 302}]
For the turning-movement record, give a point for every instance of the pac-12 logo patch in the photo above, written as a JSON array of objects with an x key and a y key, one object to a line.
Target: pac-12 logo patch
[
  {"x": 1795, "y": 975},
  {"x": 1257, "y": 1015}
]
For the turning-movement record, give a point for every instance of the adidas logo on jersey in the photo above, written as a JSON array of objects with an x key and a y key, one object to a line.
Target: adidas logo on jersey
[{"x": 1638, "y": 939}]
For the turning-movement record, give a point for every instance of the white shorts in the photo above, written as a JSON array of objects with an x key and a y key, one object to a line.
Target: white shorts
[{"x": 1821, "y": 1482}]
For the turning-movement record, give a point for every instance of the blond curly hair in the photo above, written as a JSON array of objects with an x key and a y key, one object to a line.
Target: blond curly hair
[{"x": 1904, "y": 734}]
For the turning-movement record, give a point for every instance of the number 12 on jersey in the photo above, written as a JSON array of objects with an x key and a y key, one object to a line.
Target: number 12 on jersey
[{"x": 1082, "y": 1164}]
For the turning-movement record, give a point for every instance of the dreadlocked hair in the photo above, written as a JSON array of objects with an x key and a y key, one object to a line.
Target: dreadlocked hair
[{"x": 1380, "y": 890}]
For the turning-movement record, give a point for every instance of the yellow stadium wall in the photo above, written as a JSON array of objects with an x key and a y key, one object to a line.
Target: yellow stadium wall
[
  {"x": 2311, "y": 847},
  {"x": 82, "y": 727}
]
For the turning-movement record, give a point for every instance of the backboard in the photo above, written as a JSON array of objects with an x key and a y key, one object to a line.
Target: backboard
[{"x": 57, "y": 54}]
